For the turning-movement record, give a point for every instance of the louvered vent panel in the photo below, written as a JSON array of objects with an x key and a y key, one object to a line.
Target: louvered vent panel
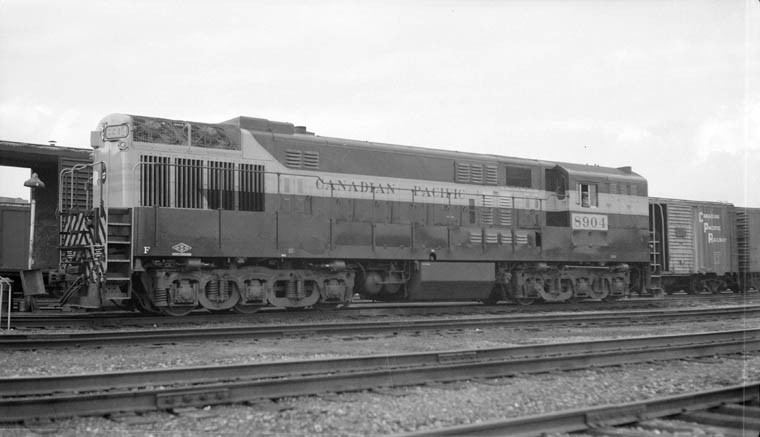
[
  {"x": 293, "y": 158},
  {"x": 492, "y": 237},
  {"x": 505, "y": 217},
  {"x": 154, "y": 180},
  {"x": 476, "y": 174},
  {"x": 311, "y": 160},
  {"x": 188, "y": 183},
  {"x": 463, "y": 173},
  {"x": 221, "y": 185},
  {"x": 505, "y": 212},
  {"x": 492, "y": 175},
  {"x": 251, "y": 194}
]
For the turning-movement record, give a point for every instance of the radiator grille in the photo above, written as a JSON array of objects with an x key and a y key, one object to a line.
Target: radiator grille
[
  {"x": 154, "y": 180},
  {"x": 251, "y": 193},
  {"x": 189, "y": 183},
  {"x": 221, "y": 185}
]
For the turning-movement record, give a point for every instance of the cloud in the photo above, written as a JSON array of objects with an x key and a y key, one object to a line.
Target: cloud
[
  {"x": 25, "y": 121},
  {"x": 729, "y": 132},
  {"x": 31, "y": 122}
]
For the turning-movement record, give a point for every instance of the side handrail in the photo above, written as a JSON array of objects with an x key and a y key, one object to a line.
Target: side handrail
[
  {"x": 6, "y": 283},
  {"x": 414, "y": 192}
]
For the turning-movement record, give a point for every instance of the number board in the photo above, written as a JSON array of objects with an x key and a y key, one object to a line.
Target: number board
[{"x": 593, "y": 222}]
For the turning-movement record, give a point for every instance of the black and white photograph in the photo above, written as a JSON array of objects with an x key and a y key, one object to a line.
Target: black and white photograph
[{"x": 380, "y": 218}]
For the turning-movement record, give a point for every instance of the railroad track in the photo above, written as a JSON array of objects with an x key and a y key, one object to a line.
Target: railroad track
[
  {"x": 47, "y": 320},
  {"x": 34, "y": 398},
  {"x": 728, "y": 411},
  {"x": 30, "y": 341}
]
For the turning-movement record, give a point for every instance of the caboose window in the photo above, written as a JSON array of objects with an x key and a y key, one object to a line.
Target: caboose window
[{"x": 587, "y": 195}]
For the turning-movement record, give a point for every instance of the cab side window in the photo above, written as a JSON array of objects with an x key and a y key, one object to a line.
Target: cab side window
[{"x": 588, "y": 195}]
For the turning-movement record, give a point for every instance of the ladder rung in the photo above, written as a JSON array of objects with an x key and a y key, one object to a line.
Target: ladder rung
[{"x": 78, "y": 247}]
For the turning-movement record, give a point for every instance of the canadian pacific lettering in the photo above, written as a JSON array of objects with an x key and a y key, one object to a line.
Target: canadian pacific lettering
[
  {"x": 360, "y": 187},
  {"x": 387, "y": 188},
  {"x": 710, "y": 229}
]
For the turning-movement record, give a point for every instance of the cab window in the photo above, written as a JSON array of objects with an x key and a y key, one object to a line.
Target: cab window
[{"x": 588, "y": 195}]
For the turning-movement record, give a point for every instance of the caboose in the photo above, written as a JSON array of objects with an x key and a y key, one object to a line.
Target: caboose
[{"x": 251, "y": 212}]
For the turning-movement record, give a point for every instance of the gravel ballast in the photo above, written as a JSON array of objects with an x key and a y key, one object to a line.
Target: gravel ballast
[
  {"x": 119, "y": 358},
  {"x": 390, "y": 410},
  {"x": 398, "y": 410}
]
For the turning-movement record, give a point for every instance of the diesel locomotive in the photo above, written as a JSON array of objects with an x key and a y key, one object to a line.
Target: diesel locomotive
[{"x": 251, "y": 212}]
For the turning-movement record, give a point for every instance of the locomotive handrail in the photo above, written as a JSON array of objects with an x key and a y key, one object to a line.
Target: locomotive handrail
[
  {"x": 371, "y": 189},
  {"x": 72, "y": 171},
  {"x": 3, "y": 283}
]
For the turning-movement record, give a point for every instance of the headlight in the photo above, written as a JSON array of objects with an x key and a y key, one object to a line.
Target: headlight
[{"x": 115, "y": 132}]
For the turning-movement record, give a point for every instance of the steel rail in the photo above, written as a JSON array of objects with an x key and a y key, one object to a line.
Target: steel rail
[
  {"x": 26, "y": 386},
  {"x": 28, "y": 341},
  {"x": 47, "y": 319},
  {"x": 377, "y": 372},
  {"x": 99, "y": 319},
  {"x": 598, "y": 417}
]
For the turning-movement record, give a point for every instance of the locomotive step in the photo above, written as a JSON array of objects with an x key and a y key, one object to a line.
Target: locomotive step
[{"x": 80, "y": 246}]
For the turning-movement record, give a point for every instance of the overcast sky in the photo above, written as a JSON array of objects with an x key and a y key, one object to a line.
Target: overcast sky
[{"x": 671, "y": 88}]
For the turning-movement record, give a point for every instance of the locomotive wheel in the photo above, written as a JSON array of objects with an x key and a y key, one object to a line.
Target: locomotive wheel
[
  {"x": 212, "y": 303},
  {"x": 144, "y": 307},
  {"x": 246, "y": 309},
  {"x": 574, "y": 299},
  {"x": 600, "y": 289},
  {"x": 177, "y": 311},
  {"x": 525, "y": 300},
  {"x": 144, "y": 310},
  {"x": 521, "y": 300}
]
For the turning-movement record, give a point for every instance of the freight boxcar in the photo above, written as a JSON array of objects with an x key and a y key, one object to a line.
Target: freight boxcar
[
  {"x": 748, "y": 247},
  {"x": 14, "y": 237},
  {"x": 693, "y": 245}
]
